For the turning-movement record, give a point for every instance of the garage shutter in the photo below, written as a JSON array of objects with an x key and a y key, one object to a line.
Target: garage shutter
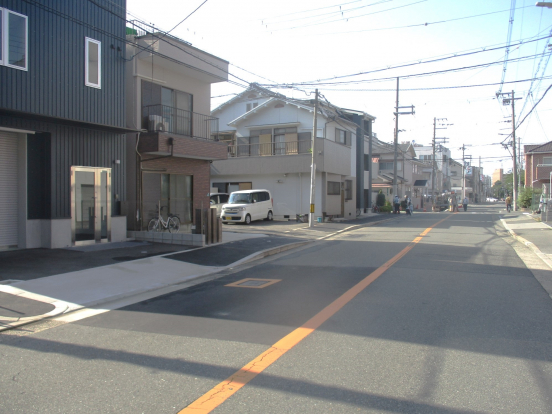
[{"x": 8, "y": 189}]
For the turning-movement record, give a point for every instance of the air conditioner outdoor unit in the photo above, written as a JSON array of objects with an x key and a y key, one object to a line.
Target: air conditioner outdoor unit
[{"x": 156, "y": 123}]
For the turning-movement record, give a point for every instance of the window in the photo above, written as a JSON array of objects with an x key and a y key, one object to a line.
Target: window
[
  {"x": 334, "y": 188},
  {"x": 93, "y": 67},
  {"x": 340, "y": 136},
  {"x": 348, "y": 189},
  {"x": 13, "y": 39},
  {"x": 366, "y": 162},
  {"x": 547, "y": 160},
  {"x": 250, "y": 106},
  {"x": 386, "y": 165}
]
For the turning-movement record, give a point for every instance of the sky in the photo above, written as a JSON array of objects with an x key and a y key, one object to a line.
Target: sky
[{"x": 352, "y": 51}]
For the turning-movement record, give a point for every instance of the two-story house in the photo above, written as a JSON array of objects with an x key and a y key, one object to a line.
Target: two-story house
[
  {"x": 441, "y": 180},
  {"x": 538, "y": 166},
  {"x": 62, "y": 123},
  {"x": 457, "y": 179},
  {"x": 411, "y": 179},
  {"x": 269, "y": 146},
  {"x": 168, "y": 91}
]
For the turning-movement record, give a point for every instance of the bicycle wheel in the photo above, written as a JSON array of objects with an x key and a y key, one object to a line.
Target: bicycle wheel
[
  {"x": 177, "y": 220},
  {"x": 153, "y": 225},
  {"x": 174, "y": 225}
]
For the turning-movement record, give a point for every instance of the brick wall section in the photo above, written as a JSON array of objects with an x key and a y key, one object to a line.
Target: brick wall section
[
  {"x": 199, "y": 169},
  {"x": 183, "y": 146},
  {"x": 543, "y": 173},
  {"x": 532, "y": 171}
]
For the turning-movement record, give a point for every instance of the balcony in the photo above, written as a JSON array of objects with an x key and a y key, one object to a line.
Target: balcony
[
  {"x": 284, "y": 157},
  {"x": 173, "y": 131},
  {"x": 162, "y": 118},
  {"x": 273, "y": 148}
]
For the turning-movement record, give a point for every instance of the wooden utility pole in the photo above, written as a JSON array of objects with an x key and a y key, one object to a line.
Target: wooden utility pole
[
  {"x": 396, "y": 138},
  {"x": 514, "y": 145},
  {"x": 505, "y": 101},
  {"x": 433, "y": 160},
  {"x": 313, "y": 165}
]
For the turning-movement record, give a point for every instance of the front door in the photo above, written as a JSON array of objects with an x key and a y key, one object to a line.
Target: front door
[{"x": 90, "y": 205}]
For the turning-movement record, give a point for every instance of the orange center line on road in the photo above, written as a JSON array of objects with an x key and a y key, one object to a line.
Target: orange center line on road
[{"x": 224, "y": 390}]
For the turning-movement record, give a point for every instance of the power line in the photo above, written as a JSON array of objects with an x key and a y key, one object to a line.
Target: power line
[
  {"x": 434, "y": 88},
  {"x": 327, "y": 14},
  {"x": 529, "y": 113},
  {"x": 404, "y": 76},
  {"x": 433, "y": 60},
  {"x": 409, "y": 26},
  {"x": 349, "y": 18},
  {"x": 306, "y": 11},
  {"x": 166, "y": 33},
  {"x": 508, "y": 41}
]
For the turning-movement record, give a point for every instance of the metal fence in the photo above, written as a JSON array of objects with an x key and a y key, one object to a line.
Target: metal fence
[
  {"x": 179, "y": 121},
  {"x": 138, "y": 216},
  {"x": 273, "y": 148},
  {"x": 546, "y": 212}
]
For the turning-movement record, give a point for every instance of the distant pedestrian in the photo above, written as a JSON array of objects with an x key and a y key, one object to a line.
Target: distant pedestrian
[
  {"x": 465, "y": 203},
  {"x": 396, "y": 205},
  {"x": 408, "y": 205},
  {"x": 508, "y": 203},
  {"x": 454, "y": 202}
]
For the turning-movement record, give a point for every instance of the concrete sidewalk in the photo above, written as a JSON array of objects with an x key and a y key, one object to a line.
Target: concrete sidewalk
[
  {"x": 47, "y": 283},
  {"x": 534, "y": 234}
]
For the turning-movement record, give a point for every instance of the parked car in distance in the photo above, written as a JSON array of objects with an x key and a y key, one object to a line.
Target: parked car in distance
[
  {"x": 247, "y": 206},
  {"x": 218, "y": 200}
]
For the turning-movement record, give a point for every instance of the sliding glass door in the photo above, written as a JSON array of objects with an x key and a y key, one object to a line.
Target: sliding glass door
[{"x": 90, "y": 205}]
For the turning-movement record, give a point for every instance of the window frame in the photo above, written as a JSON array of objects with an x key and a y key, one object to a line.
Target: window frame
[
  {"x": 546, "y": 158},
  {"x": 331, "y": 187},
  {"x": 87, "y": 41},
  {"x": 4, "y": 39},
  {"x": 338, "y": 136},
  {"x": 348, "y": 190}
]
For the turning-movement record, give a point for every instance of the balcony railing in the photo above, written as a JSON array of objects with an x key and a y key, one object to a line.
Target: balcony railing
[
  {"x": 274, "y": 148},
  {"x": 162, "y": 118}
]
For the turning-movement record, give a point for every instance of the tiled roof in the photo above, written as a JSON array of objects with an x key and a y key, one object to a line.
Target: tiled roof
[{"x": 541, "y": 148}]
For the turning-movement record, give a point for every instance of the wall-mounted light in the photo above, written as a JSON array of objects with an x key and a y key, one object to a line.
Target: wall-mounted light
[{"x": 116, "y": 161}]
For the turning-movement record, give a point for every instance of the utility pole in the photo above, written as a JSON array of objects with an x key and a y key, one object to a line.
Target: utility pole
[
  {"x": 396, "y": 140},
  {"x": 313, "y": 165},
  {"x": 520, "y": 164},
  {"x": 433, "y": 160},
  {"x": 506, "y": 101},
  {"x": 463, "y": 148}
]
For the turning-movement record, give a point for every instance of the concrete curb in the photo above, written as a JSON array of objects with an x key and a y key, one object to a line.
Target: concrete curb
[
  {"x": 61, "y": 307},
  {"x": 527, "y": 243},
  {"x": 65, "y": 307},
  {"x": 7, "y": 322}
]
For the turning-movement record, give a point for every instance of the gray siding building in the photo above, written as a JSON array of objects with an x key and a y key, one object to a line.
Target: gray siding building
[{"x": 62, "y": 122}]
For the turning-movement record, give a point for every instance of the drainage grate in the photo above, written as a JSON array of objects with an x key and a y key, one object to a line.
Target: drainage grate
[{"x": 254, "y": 283}]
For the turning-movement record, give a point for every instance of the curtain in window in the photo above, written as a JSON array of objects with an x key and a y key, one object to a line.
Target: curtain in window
[{"x": 265, "y": 143}]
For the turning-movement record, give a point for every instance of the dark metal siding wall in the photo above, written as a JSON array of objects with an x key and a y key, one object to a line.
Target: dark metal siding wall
[
  {"x": 77, "y": 147},
  {"x": 54, "y": 83}
]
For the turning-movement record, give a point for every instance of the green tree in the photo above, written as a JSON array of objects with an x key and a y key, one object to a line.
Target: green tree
[{"x": 380, "y": 199}]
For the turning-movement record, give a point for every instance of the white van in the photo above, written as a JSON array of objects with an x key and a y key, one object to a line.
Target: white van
[{"x": 247, "y": 206}]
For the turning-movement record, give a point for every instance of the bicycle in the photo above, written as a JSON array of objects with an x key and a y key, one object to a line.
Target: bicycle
[{"x": 158, "y": 224}]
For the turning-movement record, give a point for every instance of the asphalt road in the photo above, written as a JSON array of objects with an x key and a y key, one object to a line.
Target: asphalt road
[{"x": 456, "y": 324}]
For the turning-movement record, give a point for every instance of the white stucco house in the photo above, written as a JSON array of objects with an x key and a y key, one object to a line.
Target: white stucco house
[{"x": 269, "y": 147}]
